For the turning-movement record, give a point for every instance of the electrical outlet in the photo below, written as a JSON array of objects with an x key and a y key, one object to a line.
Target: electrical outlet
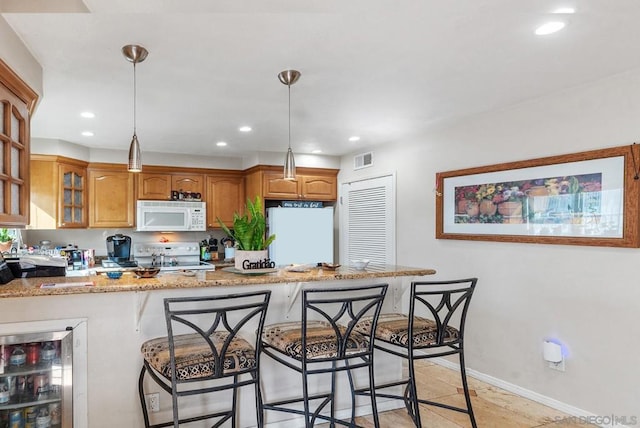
[
  {"x": 153, "y": 401},
  {"x": 557, "y": 366}
]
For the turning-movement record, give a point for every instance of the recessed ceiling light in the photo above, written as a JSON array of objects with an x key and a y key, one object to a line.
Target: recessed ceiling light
[
  {"x": 87, "y": 114},
  {"x": 549, "y": 28},
  {"x": 567, "y": 10},
  {"x": 354, "y": 138},
  {"x": 316, "y": 152},
  {"x": 87, "y": 133},
  {"x": 244, "y": 129},
  {"x": 221, "y": 143}
]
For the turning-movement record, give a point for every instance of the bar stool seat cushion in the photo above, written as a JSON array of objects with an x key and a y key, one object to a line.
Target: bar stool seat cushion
[
  {"x": 194, "y": 358},
  {"x": 321, "y": 339},
  {"x": 394, "y": 328}
]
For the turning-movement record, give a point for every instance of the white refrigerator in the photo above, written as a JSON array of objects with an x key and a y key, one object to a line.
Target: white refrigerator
[{"x": 303, "y": 235}]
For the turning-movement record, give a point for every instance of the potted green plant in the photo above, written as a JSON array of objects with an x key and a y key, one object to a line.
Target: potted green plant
[
  {"x": 5, "y": 240},
  {"x": 249, "y": 234}
]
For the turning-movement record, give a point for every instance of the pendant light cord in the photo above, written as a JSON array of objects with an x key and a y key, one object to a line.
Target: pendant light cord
[
  {"x": 134, "y": 98},
  {"x": 289, "y": 86}
]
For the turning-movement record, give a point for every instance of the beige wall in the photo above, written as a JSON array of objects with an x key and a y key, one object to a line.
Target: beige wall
[
  {"x": 587, "y": 297},
  {"x": 15, "y": 54}
]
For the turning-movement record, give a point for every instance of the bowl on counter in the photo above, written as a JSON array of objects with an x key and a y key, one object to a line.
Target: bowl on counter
[
  {"x": 330, "y": 266},
  {"x": 360, "y": 264},
  {"x": 146, "y": 272},
  {"x": 116, "y": 274}
]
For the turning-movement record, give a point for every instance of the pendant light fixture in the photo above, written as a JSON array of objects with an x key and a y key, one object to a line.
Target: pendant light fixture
[
  {"x": 134, "y": 54},
  {"x": 289, "y": 77}
]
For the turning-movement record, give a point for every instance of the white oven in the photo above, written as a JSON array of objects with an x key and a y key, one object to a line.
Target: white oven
[{"x": 170, "y": 216}]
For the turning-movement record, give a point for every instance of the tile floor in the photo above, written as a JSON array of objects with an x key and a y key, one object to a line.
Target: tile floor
[{"x": 492, "y": 406}]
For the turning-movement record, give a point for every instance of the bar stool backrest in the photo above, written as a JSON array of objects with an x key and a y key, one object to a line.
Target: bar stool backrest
[
  {"x": 342, "y": 308},
  {"x": 444, "y": 302},
  {"x": 217, "y": 319}
]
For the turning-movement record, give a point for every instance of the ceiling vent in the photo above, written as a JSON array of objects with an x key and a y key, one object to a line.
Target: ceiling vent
[{"x": 363, "y": 160}]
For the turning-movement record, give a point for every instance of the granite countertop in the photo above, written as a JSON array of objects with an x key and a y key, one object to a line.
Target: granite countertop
[{"x": 30, "y": 287}]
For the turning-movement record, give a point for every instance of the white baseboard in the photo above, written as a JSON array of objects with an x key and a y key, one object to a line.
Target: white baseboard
[{"x": 582, "y": 415}]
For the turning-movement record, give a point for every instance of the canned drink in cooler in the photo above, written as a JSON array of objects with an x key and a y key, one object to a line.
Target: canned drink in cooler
[
  {"x": 55, "y": 390},
  {"x": 30, "y": 414},
  {"x": 18, "y": 357},
  {"x": 47, "y": 352},
  {"x": 5, "y": 355},
  {"x": 21, "y": 386},
  {"x": 29, "y": 386},
  {"x": 2, "y": 360},
  {"x": 10, "y": 381},
  {"x": 5, "y": 396},
  {"x": 15, "y": 419},
  {"x": 43, "y": 419},
  {"x": 33, "y": 354},
  {"x": 55, "y": 414},
  {"x": 41, "y": 386}
]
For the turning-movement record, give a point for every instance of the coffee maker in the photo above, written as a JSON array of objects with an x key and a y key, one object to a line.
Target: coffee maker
[{"x": 119, "y": 250}]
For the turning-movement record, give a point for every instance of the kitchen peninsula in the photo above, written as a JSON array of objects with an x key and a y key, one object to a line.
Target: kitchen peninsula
[
  {"x": 121, "y": 314},
  {"x": 31, "y": 287}
]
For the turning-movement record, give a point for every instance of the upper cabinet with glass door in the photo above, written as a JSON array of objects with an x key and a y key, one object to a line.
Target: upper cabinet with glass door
[
  {"x": 59, "y": 197},
  {"x": 17, "y": 101},
  {"x": 73, "y": 206}
]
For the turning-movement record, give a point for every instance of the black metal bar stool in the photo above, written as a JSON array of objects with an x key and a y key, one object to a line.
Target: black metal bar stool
[
  {"x": 325, "y": 342},
  {"x": 433, "y": 328},
  {"x": 205, "y": 351}
]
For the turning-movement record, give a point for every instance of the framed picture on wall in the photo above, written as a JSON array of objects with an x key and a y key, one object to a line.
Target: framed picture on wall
[{"x": 587, "y": 198}]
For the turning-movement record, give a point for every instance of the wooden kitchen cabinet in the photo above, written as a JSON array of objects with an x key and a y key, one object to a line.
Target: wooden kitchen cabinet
[
  {"x": 158, "y": 186},
  {"x": 58, "y": 193},
  {"x": 304, "y": 187},
  {"x": 225, "y": 196},
  {"x": 154, "y": 186},
  {"x": 313, "y": 184},
  {"x": 17, "y": 102},
  {"x": 111, "y": 196},
  {"x": 188, "y": 183}
]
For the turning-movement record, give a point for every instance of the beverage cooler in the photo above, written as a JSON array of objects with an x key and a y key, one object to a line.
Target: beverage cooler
[{"x": 36, "y": 380}]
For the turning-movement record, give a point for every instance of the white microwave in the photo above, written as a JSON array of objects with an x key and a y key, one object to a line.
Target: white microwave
[{"x": 170, "y": 216}]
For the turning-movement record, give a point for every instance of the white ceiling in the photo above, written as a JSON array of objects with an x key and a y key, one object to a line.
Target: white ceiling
[{"x": 385, "y": 70}]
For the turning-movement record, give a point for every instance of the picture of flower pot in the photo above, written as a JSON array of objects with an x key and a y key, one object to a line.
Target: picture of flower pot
[
  {"x": 487, "y": 207},
  {"x": 472, "y": 209},
  {"x": 510, "y": 208},
  {"x": 461, "y": 206}
]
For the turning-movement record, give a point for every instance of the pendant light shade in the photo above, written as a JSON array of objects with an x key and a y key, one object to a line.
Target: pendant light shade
[
  {"x": 289, "y": 77},
  {"x": 134, "y": 54},
  {"x": 289, "y": 166},
  {"x": 135, "y": 160}
]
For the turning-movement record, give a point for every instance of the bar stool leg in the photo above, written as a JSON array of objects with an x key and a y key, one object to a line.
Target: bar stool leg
[
  {"x": 145, "y": 414},
  {"x": 413, "y": 392},
  {"x": 234, "y": 402},
  {"x": 374, "y": 405},
  {"x": 352, "y": 388},
  {"x": 308, "y": 422},
  {"x": 258, "y": 398},
  {"x": 465, "y": 387},
  {"x": 334, "y": 365}
]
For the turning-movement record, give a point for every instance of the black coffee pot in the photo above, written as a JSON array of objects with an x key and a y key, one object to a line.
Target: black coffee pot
[{"x": 119, "y": 248}]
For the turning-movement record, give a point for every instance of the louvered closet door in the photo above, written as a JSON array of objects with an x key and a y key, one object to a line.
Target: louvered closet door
[{"x": 368, "y": 221}]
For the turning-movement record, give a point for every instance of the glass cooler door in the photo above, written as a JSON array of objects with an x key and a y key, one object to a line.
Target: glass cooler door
[{"x": 36, "y": 380}]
